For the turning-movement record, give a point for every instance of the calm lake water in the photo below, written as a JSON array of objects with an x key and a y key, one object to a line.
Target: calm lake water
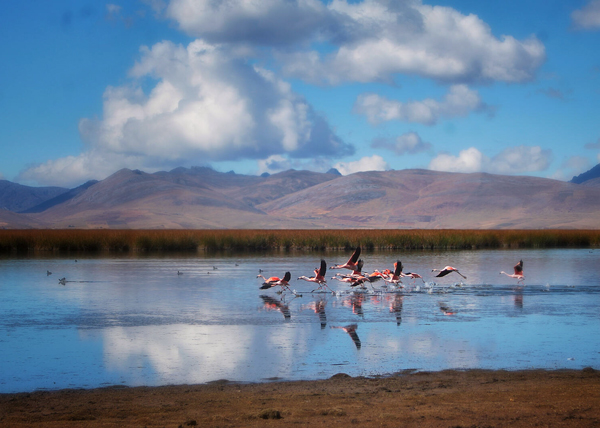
[{"x": 136, "y": 321}]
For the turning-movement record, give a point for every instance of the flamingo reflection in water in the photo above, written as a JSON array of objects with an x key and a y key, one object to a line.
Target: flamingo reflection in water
[
  {"x": 355, "y": 302},
  {"x": 318, "y": 306},
  {"x": 396, "y": 303},
  {"x": 351, "y": 330},
  {"x": 518, "y": 269},
  {"x": 446, "y": 310},
  {"x": 272, "y": 304}
]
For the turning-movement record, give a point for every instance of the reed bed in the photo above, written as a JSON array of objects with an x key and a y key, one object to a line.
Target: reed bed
[{"x": 78, "y": 240}]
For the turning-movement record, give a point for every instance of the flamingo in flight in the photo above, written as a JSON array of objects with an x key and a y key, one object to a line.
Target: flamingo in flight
[
  {"x": 394, "y": 277},
  {"x": 446, "y": 271},
  {"x": 351, "y": 277},
  {"x": 518, "y": 272},
  {"x": 319, "y": 277},
  {"x": 275, "y": 281},
  {"x": 361, "y": 279},
  {"x": 351, "y": 263}
]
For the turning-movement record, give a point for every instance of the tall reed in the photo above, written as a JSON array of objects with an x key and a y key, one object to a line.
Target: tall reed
[{"x": 261, "y": 240}]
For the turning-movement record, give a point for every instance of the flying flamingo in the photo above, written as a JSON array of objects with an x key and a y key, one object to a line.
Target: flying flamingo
[
  {"x": 446, "y": 271},
  {"x": 351, "y": 263},
  {"x": 274, "y": 281},
  {"x": 361, "y": 279},
  {"x": 319, "y": 277},
  {"x": 394, "y": 277},
  {"x": 518, "y": 272}
]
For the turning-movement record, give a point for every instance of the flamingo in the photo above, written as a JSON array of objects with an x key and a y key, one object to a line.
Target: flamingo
[
  {"x": 274, "y": 281},
  {"x": 351, "y": 263},
  {"x": 518, "y": 272},
  {"x": 394, "y": 277},
  {"x": 319, "y": 277},
  {"x": 446, "y": 271},
  {"x": 370, "y": 278}
]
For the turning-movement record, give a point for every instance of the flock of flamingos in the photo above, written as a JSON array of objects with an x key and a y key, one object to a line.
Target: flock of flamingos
[{"x": 358, "y": 278}]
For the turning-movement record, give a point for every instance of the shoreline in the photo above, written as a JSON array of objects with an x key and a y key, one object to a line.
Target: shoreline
[{"x": 448, "y": 398}]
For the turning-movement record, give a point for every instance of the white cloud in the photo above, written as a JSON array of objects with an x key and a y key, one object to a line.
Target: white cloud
[
  {"x": 520, "y": 159},
  {"x": 372, "y": 163},
  {"x": 208, "y": 104},
  {"x": 458, "y": 102},
  {"x": 273, "y": 164},
  {"x": 469, "y": 160},
  {"x": 571, "y": 167},
  {"x": 265, "y": 22},
  {"x": 513, "y": 160},
  {"x": 409, "y": 142},
  {"x": 588, "y": 17},
  {"x": 381, "y": 38},
  {"x": 372, "y": 39}
]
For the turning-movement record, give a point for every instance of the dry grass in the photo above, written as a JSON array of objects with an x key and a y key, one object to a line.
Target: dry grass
[{"x": 262, "y": 240}]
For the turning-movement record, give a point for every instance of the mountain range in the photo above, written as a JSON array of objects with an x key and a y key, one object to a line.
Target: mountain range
[{"x": 199, "y": 197}]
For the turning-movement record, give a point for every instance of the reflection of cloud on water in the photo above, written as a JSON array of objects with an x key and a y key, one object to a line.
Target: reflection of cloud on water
[
  {"x": 419, "y": 349},
  {"x": 201, "y": 353}
]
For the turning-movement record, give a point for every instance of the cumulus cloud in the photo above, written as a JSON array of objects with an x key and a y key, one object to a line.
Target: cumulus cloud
[
  {"x": 367, "y": 163},
  {"x": 571, "y": 167},
  {"x": 380, "y": 38},
  {"x": 208, "y": 103},
  {"x": 513, "y": 160},
  {"x": 409, "y": 142},
  {"x": 265, "y": 22},
  {"x": 458, "y": 102},
  {"x": 588, "y": 17},
  {"x": 372, "y": 39}
]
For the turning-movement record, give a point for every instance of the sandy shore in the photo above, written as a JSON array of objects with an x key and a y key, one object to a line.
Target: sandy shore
[{"x": 475, "y": 398}]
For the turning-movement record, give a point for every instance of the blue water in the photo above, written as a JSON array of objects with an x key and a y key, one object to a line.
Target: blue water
[{"x": 136, "y": 321}]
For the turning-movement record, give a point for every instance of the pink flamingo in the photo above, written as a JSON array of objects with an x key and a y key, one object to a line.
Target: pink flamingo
[
  {"x": 518, "y": 272},
  {"x": 446, "y": 271},
  {"x": 351, "y": 263},
  {"x": 319, "y": 277},
  {"x": 275, "y": 281}
]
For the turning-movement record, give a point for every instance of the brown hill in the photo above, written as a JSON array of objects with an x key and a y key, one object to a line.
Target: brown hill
[
  {"x": 204, "y": 198},
  {"x": 11, "y": 220},
  {"x": 431, "y": 199},
  {"x": 196, "y": 198}
]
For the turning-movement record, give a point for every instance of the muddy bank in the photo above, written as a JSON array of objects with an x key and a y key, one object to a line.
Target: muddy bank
[{"x": 475, "y": 398}]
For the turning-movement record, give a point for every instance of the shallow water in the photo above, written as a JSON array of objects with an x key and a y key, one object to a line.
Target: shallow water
[{"x": 136, "y": 321}]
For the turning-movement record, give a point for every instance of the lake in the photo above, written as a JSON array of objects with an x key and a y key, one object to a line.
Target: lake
[{"x": 186, "y": 319}]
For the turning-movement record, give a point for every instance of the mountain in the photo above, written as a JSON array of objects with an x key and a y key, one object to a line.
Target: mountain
[
  {"x": 181, "y": 198},
  {"x": 16, "y": 197},
  {"x": 592, "y": 174},
  {"x": 413, "y": 198},
  {"x": 63, "y": 197},
  {"x": 431, "y": 199}
]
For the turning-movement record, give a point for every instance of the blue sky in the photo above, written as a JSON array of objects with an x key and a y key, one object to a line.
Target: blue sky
[{"x": 506, "y": 87}]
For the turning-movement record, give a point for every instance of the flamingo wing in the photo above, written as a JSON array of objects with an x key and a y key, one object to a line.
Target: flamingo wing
[
  {"x": 355, "y": 255},
  {"x": 287, "y": 276},
  {"x": 398, "y": 268},
  {"x": 443, "y": 272},
  {"x": 323, "y": 268},
  {"x": 519, "y": 268}
]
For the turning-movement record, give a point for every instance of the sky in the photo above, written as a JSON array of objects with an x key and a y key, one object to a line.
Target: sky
[{"x": 255, "y": 86}]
